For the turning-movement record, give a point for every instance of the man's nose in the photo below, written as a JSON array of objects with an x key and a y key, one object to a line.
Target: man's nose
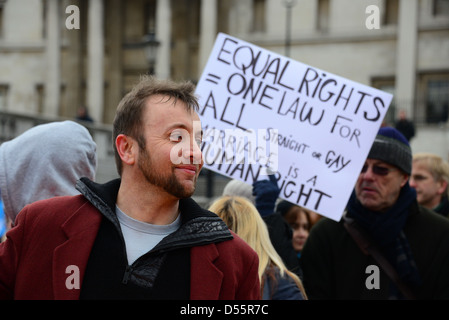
[{"x": 196, "y": 154}]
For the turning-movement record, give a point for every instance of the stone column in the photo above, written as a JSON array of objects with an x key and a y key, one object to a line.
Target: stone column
[
  {"x": 208, "y": 32},
  {"x": 95, "y": 57},
  {"x": 406, "y": 55},
  {"x": 53, "y": 60},
  {"x": 163, "y": 35}
]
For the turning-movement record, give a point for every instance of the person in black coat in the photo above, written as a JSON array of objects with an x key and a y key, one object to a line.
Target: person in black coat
[
  {"x": 412, "y": 239},
  {"x": 405, "y": 126}
]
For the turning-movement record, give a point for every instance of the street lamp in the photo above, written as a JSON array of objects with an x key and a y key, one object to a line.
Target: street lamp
[
  {"x": 150, "y": 45},
  {"x": 289, "y": 4}
]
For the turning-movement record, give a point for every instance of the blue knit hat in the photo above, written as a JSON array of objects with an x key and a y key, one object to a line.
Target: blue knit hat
[{"x": 392, "y": 147}]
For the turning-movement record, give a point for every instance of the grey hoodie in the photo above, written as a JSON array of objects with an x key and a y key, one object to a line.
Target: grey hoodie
[{"x": 43, "y": 162}]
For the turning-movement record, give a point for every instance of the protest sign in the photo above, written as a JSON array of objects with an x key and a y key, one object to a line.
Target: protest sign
[{"x": 262, "y": 112}]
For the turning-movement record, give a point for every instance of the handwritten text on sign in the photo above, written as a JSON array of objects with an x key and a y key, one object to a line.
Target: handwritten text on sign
[{"x": 263, "y": 112}]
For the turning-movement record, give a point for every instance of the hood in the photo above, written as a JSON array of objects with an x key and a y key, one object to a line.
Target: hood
[{"x": 43, "y": 162}]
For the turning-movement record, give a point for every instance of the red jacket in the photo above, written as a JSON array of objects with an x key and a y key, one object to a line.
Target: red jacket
[{"x": 52, "y": 236}]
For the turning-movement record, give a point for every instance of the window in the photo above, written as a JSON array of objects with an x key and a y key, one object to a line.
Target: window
[
  {"x": 441, "y": 7},
  {"x": 391, "y": 12},
  {"x": 150, "y": 17},
  {"x": 3, "y": 96},
  {"x": 323, "y": 15},
  {"x": 258, "y": 15},
  {"x": 39, "y": 92},
  {"x": 2, "y": 3},
  {"x": 387, "y": 85},
  {"x": 437, "y": 100}
]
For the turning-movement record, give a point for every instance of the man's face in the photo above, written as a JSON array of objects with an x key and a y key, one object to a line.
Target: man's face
[
  {"x": 379, "y": 185},
  {"x": 428, "y": 190},
  {"x": 172, "y": 157}
]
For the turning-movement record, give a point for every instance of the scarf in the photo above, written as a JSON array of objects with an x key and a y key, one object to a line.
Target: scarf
[
  {"x": 386, "y": 229},
  {"x": 443, "y": 207}
]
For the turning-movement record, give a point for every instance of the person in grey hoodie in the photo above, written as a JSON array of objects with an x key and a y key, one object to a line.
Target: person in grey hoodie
[{"x": 43, "y": 162}]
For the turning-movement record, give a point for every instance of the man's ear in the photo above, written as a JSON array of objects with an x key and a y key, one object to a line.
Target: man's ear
[
  {"x": 405, "y": 178},
  {"x": 442, "y": 186},
  {"x": 126, "y": 147}
]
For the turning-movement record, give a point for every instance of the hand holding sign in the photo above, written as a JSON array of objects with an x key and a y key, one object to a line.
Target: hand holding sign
[
  {"x": 263, "y": 112},
  {"x": 266, "y": 193}
]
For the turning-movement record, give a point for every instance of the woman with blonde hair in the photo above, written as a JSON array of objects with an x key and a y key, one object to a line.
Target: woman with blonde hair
[{"x": 242, "y": 217}]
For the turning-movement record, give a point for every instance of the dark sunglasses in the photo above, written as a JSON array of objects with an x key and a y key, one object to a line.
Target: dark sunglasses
[{"x": 378, "y": 170}]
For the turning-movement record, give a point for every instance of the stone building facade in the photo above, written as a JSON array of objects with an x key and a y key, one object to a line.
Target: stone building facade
[{"x": 56, "y": 55}]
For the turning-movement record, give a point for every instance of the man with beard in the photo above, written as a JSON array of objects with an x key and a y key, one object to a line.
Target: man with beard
[
  {"x": 140, "y": 236},
  {"x": 383, "y": 208}
]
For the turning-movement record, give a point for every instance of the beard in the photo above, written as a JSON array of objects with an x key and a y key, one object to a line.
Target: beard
[{"x": 167, "y": 182}]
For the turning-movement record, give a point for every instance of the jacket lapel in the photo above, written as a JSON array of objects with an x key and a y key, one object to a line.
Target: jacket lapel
[
  {"x": 205, "y": 278},
  {"x": 70, "y": 258}
]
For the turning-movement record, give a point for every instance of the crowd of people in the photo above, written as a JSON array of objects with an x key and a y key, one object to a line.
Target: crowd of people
[{"x": 141, "y": 235}]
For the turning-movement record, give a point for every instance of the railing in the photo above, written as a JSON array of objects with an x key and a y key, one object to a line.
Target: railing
[{"x": 12, "y": 125}]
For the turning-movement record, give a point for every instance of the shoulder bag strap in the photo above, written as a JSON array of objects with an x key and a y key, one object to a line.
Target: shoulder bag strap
[{"x": 369, "y": 249}]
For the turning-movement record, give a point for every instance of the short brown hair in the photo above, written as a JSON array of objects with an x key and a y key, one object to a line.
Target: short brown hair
[{"x": 128, "y": 118}]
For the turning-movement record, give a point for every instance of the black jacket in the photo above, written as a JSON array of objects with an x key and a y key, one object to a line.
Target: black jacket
[
  {"x": 156, "y": 273},
  {"x": 335, "y": 268}
]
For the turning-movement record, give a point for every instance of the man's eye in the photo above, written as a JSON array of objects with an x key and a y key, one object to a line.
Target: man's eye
[{"x": 176, "y": 137}]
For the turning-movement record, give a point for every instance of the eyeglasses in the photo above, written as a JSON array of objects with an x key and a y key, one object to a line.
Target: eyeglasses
[{"x": 378, "y": 170}]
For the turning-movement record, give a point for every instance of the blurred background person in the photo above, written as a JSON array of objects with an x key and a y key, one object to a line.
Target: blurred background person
[
  {"x": 263, "y": 194},
  {"x": 405, "y": 126},
  {"x": 82, "y": 114},
  {"x": 242, "y": 217},
  {"x": 383, "y": 210},
  {"x": 43, "y": 162},
  {"x": 430, "y": 178},
  {"x": 299, "y": 220}
]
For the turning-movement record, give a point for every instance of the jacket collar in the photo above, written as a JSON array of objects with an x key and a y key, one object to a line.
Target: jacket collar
[
  {"x": 198, "y": 226},
  {"x": 200, "y": 230}
]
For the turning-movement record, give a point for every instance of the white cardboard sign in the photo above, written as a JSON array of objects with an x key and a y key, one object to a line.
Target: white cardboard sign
[{"x": 314, "y": 129}]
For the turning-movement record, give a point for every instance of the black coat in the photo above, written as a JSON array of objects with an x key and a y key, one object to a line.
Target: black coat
[{"x": 335, "y": 268}]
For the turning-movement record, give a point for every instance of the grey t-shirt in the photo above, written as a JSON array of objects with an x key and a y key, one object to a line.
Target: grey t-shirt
[{"x": 141, "y": 237}]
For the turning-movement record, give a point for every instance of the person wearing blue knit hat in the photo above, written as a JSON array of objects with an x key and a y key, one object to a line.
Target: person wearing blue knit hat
[{"x": 411, "y": 241}]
